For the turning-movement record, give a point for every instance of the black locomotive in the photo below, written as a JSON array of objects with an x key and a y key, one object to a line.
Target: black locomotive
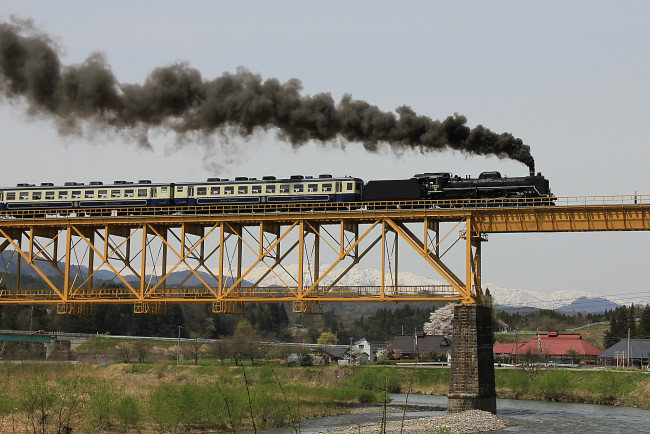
[{"x": 489, "y": 187}]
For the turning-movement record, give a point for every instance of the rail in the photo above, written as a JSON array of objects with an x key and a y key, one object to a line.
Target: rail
[{"x": 309, "y": 209}]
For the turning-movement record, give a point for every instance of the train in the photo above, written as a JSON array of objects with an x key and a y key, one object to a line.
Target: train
[{"x": 440, "y": 188}]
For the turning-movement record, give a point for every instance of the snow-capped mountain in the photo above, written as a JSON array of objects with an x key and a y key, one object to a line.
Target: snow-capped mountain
[
  {"x": 588, "y": 302},
  {"x": 354, "y": 277}
]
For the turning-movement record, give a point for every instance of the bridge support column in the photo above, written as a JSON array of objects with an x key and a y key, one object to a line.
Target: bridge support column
[{"x": 471, "y": 381}]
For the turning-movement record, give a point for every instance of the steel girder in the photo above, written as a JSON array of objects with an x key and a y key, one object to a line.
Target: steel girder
[
  {"x": 224, "y": 262},
  {"x": 305, "y": 253}
]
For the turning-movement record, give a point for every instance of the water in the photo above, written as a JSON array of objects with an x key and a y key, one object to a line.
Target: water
[{"x": 531, "y": 417}]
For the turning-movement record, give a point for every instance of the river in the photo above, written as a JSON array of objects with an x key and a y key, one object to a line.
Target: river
[{"x": 530, "y": 417}]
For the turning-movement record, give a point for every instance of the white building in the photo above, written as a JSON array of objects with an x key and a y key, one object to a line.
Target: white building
[{"x": 369, "y": 348}]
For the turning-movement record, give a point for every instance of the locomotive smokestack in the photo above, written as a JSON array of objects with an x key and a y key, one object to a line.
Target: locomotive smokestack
[
  {"x": 531, "y": 168},
  {"x": 177, "y": 98}
]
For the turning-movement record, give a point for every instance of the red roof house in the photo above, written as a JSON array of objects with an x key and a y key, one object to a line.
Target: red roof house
[
  {"x": 552, "y": 345},
  {"x": 508, "y": 349}
]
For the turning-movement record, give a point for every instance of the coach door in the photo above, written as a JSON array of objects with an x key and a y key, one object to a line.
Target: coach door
[{"x": 339, "y": 190}]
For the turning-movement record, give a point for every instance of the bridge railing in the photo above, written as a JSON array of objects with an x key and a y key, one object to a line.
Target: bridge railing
[{"x": 259, "y": 293}]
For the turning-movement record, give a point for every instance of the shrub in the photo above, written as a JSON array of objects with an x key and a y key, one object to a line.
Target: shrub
[
  {"x": 101, "y": 405},
  {"x": 127, "y": 412},
  {"x": 36, "y": 400}
]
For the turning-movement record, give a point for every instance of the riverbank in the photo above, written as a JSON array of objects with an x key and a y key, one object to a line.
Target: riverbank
[
  {"x": 629, "y": 388},
  {"x": 210, "y": 396}
]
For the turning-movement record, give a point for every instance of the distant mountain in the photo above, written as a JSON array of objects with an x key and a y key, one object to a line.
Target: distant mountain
[
  {"x": 9, "y": 261},
  {"x": 507, "y": 299},
  {"x": 589, "y": 305}
]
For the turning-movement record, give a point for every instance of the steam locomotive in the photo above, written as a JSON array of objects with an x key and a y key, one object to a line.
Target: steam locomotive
[{"x": 442, "y": 189}]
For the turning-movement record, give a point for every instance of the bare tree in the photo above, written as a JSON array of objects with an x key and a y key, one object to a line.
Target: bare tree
[
  {"x": 196, "y": 345},
  {"x": 141, "y": 350},
  {"x": 221, "y": 349},
  {"x": 125, "y": 351}
]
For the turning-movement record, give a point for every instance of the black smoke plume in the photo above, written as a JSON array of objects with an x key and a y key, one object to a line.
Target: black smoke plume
[{"x": 177, "y": 97}]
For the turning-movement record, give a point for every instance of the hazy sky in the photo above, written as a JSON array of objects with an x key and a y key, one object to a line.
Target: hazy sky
[{"x": 572, "y": 79}]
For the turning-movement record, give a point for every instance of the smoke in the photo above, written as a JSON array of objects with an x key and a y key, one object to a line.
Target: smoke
[{"x": 178, "y": 98}]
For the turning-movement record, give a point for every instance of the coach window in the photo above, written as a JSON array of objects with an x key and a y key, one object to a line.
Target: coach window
[
  {"x": 229, "y": 190},
  {"x": 49, "y": 195},
  {"x": 270, "y": 189},
  {"x": 76, "y": 194},
  {"x": 128, "y": 193},
  {"x": 24, "y": 195},
  {"x": 327, "y": 187},
  {"x": 179, "y": 189},
  {"x": 298, "y": 188},
  {"x": 242, "y": 189},
  {"x": 102, "y": 194},
  {"x": 11, "y": 196},
  {"x": 142, "y": 192},
  {"x": 256, "y": 189},
  {"x": 36, "y": 195},
  {"x": 312, "y": 188},
  {"x": 163, "y": 190},
  {"x": 63, "y": 194},
  {"x": 349, "y": 187},
  {"x": 284, "y": 188},
  {"x": 116, "y": 193},
  {"x": 215, "y": 190},
  {"x": 201, "y": 191},
  {"x": 89, "y": 194}
]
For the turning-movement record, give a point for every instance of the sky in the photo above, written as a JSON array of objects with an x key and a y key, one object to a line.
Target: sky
[{"x": 571, "y": 79}]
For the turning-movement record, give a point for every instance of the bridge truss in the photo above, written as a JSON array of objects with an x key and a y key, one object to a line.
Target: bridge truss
[{"x": 232, "y": 255}]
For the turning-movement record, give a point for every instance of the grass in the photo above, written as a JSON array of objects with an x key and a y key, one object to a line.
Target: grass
[
  {"x": 163, "y": 397},
  {"x": 626, "y": 388}
]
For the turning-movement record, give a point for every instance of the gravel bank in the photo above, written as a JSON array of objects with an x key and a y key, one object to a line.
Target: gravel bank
[{"x": 472, "y": 421}]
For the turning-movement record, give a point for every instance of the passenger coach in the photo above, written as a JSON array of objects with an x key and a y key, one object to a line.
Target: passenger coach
[{"x": 122, "y": 194}]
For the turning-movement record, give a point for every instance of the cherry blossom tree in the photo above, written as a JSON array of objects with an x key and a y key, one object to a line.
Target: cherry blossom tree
[{"x": 440, "y": 321}]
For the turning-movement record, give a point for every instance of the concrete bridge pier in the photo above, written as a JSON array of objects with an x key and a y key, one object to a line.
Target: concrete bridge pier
[{"x": 471, "y": 381}]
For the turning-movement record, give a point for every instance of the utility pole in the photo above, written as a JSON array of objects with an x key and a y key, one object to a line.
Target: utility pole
[
  {"x": 516, "y": 346},
  {"x": 178, "y": 346},
  {"x": 628, "y": 347}
]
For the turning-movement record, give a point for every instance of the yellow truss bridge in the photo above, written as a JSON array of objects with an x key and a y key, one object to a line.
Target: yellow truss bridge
[{"x": 232, "y": 255}]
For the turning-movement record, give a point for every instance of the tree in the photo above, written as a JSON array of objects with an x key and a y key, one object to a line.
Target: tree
[
  {"x": 326, "y": 338},
  {"x": 125, "y": 351},
  {"x": 221, "y": 349},
  {"x": 618, "y": 325},
  {"x": 631, "y": 321},
  {"x": 141, "y": 350},
  {"x": 383, "y": 354},
  {"x": 440, "y": 322},
  {"x": 246, "y": 342},
  {"x": 643, "y": 331}
]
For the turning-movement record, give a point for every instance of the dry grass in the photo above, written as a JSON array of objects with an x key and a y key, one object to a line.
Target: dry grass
[{"x": 594, "y": 334}]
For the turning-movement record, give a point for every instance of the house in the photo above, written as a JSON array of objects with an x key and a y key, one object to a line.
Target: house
[
  {"x": 617, "y": 354},
  {"x": 369, "y": 348},
  {"x": 331, "y": 353},
  {"x": 508, "y": 350},
  {"x": 550, "y": 346},
  {"x": 415, "y": 345}
]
